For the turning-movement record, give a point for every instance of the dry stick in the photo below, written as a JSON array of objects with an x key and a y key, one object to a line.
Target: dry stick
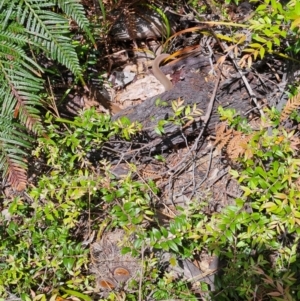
[
  {"x": 248, "y": 87},
  {"x": 218, "y": 178},
  {"x": 206, "y": 117},
  {"x": 206, "y": 174},
  {"x": 209, "y": 109},
  {"x": 89, "y": 214},
  {"x": 145, "y": 182},
  {"x": 205, "y": 120},
  {"x": 141, "y": 277},
  {"x": 54, "y": 106},
  {"x": 185, "y": 188}
]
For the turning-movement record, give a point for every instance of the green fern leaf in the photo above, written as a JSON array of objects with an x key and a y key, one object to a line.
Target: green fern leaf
[
  {"x": 49, "y": 30},
  {"x": 27, "y": 27},
  {"x": 74, "y": 9},
  {"x": 23, "y": 87},
  {"x": 11, "y": 155}
]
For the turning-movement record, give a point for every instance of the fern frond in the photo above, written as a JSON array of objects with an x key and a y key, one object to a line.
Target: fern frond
[
  {"x": 48, "y": 30},
  {"x": 291, "y": 105},
  {"x": 31, "y": 23},
  {"x": 13, "y": 142},
  {"x": 11, "y": 38},
  {"x": 237, "y": 145},
  {"x": 75, "y": 10},
  {"x": 23, "y": 86},
  {"x": 17, "y": 176},
  {"x": 6, "y": 9},
  {"x": 130, "y": 20},
  {"x": 11, "y": 153},
  {"x": 223, "y": 135},
  {"x": 60, "y": 48},
  {"x": 9, "y": 102},
  {"x": 13, "y": 53}
]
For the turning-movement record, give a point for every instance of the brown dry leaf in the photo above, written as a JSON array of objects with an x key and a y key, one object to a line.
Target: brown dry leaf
[
  {"x": 223, "y": 135},
  {"x": 249, "y": 61},
  {"x": 238, "y": 146},
  {"x": 295, "y": 142},
  {"x": 17, "y": 177},
  {"x": 292, "y": 104},
  {"x": 274, "y": 294},
  {"x": 221, "y": 60}
]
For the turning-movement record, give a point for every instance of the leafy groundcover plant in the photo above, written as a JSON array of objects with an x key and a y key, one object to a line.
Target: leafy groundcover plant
[{"x": 44, "y": 236}]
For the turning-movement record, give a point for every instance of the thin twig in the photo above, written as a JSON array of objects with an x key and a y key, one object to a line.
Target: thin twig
[
  {"x": 205, "y": 120},
  {"x": 207, "y": 171},
  {"x": 247, "y": 85},
  {"x": 141, "y": 277}
]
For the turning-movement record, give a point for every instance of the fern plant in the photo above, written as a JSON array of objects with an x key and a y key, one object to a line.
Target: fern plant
[{"x": 28, "y": 27}]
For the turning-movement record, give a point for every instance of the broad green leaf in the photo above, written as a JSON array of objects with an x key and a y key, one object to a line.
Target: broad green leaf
[
  {"x": 164, "y": 232},
  {"x": 173, "y": 246},
  {"x": 261, "y": 7},
  {"x": 259, "y": 38},
  {"x": 295, "y": 23},
  {"x": 156, "y": 233},
  {"x": 262, "y": 52},
  {"x": 269, "y": 205},
  {"x": 77, "y": 294},
  {"x": 255, "y": 45}
]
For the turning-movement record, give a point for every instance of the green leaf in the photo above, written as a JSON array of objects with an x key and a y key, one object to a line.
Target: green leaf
[
  {"x": 234, "y": 173},
  {"x": 172, "y": 245},
  {"x": 297, "y": 8},
  {"x": 159, "y": 130},
  {"x": 187, "y": 110},
  {"x": 241, "y": 244},
  {"x": 276, "y": 41},
  {"x": 77, "y": 294},
  {"x": 164, "y": 245},
  {"x": 173, "y": 261},
  {"x": 261, "y": 7},
  {"x": 156, "y": 233},
  {"x": 125, "y": 250},
  {"x": 263, "y": 184},
  {"x": 259, "y": 171},
  {"x": 269, "y": 205},
  {"x": 160, "y": 158},
  {"x": 254, "y": 45},
  {"x": 259, "y": 38},
  {"x": 109, "y": 197},
  {"x": 128, "y": 206},
  {"x": 164, "y": 232},
  {"x": 295, "y": 23},
  {"x": 138, "y": 243},
  {"x": 125, "y": 121},
  {"x": 137, "y": 220},
  {"x": 267, "y": 20},
  {"x": 68, "y": 262},
  {"x": 228, "y": 234},
  {"x": 262, "y": 52}
]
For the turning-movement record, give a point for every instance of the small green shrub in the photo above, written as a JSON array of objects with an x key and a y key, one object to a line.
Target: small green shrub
[
  {"x": 40, "y": 252},
  {"x": 256, "y": 238},
  {"x": 259, "y": 236}
]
